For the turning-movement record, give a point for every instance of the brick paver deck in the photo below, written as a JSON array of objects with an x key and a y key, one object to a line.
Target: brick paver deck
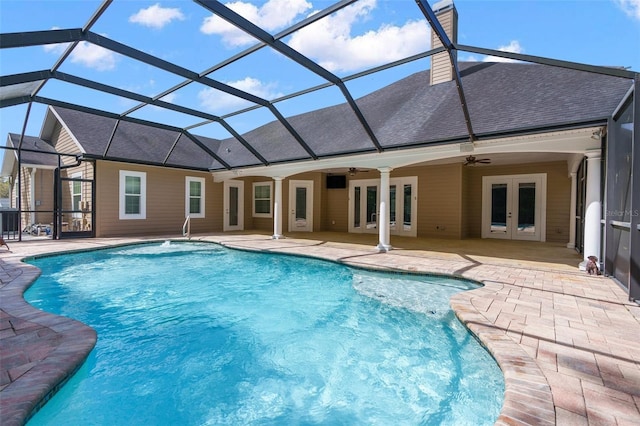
[{"x": 567, "y": 343}]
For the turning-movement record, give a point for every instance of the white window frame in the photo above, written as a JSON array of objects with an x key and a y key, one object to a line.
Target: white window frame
[
  {"x": 143, "y": 195},
  {"x": 253, "y": 199},
  {"x": 77, "y": 175},
  {"x": 187, "y": 197}
]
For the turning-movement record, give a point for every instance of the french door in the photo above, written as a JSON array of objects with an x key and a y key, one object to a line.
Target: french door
[
  {"x": 364, "y": 205},
  {"x": 301, "y": 206},
  {"x": 514, "y": 207},
  {"x": 233, "y": 205}
]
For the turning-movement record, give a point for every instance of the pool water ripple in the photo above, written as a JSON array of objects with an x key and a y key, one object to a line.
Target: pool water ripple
[{"x": 196, "y": 334}]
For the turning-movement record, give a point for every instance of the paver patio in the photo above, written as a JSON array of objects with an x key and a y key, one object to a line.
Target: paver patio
[{"x": 567, "y": 343}]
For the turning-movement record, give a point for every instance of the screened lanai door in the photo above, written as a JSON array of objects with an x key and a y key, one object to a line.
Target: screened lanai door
[
  {"x": 75, "y": 198},
  {"x": 514, "y": 207},
  {"x": 364, "y": 202}
]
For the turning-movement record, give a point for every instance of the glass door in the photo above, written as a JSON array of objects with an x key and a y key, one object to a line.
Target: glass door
[
  {"x": 301, "y": 206},
  {"x": 513, "y": 207},
  {"x": 364, "y": 204},
  {"x": 233, "y": 205}
]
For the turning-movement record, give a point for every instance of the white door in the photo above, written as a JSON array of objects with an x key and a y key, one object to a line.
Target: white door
[
  {"x": 233, "y": 205},
  {"x": 364, "y": 204},
  {"x": 514, "y": 207},
  {"x": 301, "y": 206}
]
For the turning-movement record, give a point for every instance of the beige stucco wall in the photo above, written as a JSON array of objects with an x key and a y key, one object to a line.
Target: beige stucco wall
[{"x": 165, "y": 197}]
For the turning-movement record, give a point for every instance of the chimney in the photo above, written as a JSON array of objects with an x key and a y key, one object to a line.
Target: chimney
[{"x": 441, "y": 69}]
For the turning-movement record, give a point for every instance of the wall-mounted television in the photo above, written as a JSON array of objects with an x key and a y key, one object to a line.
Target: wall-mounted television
[{"x": 336, "y": 181}]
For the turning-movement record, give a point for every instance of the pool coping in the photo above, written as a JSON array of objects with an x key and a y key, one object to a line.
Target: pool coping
[{"x": 529, "y": 396}]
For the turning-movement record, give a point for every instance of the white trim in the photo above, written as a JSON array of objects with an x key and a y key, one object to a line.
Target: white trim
[
  {"x": 511, "y": 230},
  {"x": 253, "y": 199},
  {"x": 187, "y": 197},
  {"x": 76, "y": 175},
  {"x": 47, "y": 125},
  {"x": 399, "y": 182},
  {"x": 568, "y": 141},
  {"x": 143, "y": 195},
  {"x": 228, "y": 184},
  {"x": 294, "y": 225},
  {"x": 620, "y": 224}
]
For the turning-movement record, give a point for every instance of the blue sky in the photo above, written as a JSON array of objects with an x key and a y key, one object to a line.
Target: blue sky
[{"x": 363, "y": 35}]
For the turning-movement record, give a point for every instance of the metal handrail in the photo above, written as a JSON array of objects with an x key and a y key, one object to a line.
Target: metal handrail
[{"x": 186, "y": 227}]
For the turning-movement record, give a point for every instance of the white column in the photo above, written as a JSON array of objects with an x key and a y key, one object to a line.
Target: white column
[
  {"x": 572, "y": 212},
  {"x": 385, "y": 211},
  {"x": 593, "y": 208},
  {"x": 32, "y": 196},
  {"x": 277, "y": 209}
]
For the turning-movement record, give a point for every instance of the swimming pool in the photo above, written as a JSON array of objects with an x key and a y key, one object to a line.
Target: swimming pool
[{"x": 195, "y": 333}]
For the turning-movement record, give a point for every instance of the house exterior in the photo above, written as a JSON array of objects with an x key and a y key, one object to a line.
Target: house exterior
[{"x": 550, "y": 160}]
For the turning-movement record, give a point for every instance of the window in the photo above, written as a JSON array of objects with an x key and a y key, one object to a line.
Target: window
[
  {"x": 133, "y": 195},
  {"x": 194, "y": 197},
  {"x": 262, "y": 199},
  {"x": 76, "y": 194}
]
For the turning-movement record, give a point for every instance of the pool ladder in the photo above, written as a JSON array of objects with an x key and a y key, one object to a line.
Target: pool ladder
[{"x": 186, "y": 227}]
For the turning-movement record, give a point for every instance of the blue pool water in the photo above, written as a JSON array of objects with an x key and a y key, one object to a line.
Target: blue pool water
[{"x": 198, "y": 334}]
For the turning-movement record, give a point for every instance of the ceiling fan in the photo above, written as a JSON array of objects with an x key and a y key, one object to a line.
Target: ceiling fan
[
  {"x": 353, "y": 171},
  {"x": 472, "y": 160}
]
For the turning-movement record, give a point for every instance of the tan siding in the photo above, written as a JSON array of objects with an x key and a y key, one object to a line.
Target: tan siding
[
  {"x": 558, "y": 196},
  {"x": 439, "y": 199},
  {"x": 337, "y": 209},
  {"x": 44, "y": 196},
  {"x": 441, "y": 70},
  {"x": 165, "y": 202},
  {"x": 466, "y": 196},
  {"x": 25, "y": 195},
  {"x": 64, "y": 143}
]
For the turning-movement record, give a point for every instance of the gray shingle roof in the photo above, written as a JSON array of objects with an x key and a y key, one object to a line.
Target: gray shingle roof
[
  {"x": 34, "y": 158},
  {"x": 502, "y": 98}
]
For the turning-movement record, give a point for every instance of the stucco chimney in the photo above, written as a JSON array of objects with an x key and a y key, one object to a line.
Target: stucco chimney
[{"x": 447, "y": 15}]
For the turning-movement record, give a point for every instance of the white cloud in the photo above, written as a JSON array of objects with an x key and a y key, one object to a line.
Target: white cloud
[
  {"x": 630, "y": 7},
  {"x": 513, "y": 47},
  {"x": 272, "y": 16},
  {"x": 92, "y": 56},
  {"x": 156, "y": 16},
  {"x": 87, "y": 54},
  {"x": 216, "y": 101},
  {"x": 330, "y": 42},
  {"x": 170, "y": 97}
]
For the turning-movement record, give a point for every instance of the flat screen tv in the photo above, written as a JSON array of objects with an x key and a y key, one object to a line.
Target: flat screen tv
[{"x": 336, "y": 181}]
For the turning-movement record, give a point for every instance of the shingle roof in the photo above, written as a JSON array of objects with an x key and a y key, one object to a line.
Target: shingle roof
[
  {"x": 33, "y": 143},
  {"x": 502, "y": 98}
]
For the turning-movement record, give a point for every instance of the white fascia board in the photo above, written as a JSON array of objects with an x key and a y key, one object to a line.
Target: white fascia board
[{"x": 568, "y": 141}]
